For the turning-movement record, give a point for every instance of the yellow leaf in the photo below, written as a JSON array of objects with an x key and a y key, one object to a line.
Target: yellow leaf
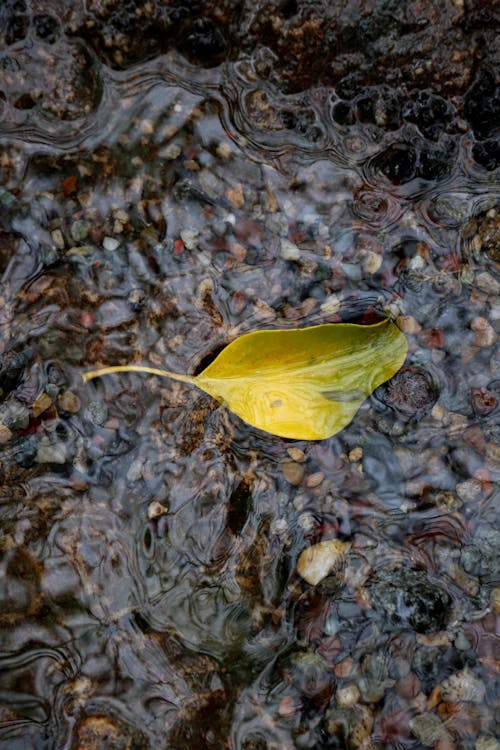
[{"x": 305, "y": 383}]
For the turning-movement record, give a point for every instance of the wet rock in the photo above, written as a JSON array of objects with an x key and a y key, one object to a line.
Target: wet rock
[
  {"x": 51, "y": 453},
  {"x": 79, "y": 230},
  {"x": 481, "y": 557},
  {"x": 42, "y": 403},
  {"x": 69, "y": 401},
  {"x": 16, "y": 416},
  {"x": 100, "y": 732},
  {"x": 318, "y": 561},
  {"x": 409, "y": 598},
  {"x": 411, "y": 393},
  {"x": 484, "y": 401},
  {"x": 429, "y": 729},
  {"x": 5, "y": 433},
  {"x": 12, "y": 365},
  {"x": 98, "y": 412},
  {"x": 110, "y": 244},
  {"x": 351, "y": 727},
  {"x": 348, "y": 696},
  {"x": 463, "y": 686},
  {"x": 135, "y": 471},
  {"x": 487, "y": 743},
  {"x": 289, "y": 250},
  {"x": 24, "y": 451},
  {"x": 293, "y": 472},
  {"x": 487, "y": 283}
]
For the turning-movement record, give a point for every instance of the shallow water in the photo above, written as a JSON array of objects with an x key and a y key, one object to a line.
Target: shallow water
[{"x": 157, "y": 200}]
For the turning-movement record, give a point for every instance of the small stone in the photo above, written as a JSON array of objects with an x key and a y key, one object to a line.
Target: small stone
[
  {"x": 408, "y": 324},
  {"x": 293, "y": 472},
  {"x": 79, "y": 230},
  {"x": 345, "y": 667},
  {"x": 306, "y": 521},
  {"x": 409, "y": 685},
  {"x": 224, "y": 150},
  {"x": 442, "y": 639},
  {"x": 190, "y": 238},
  {"x": 135, "y": 471},
  {"x": 289, "y": 250},
  {"x": 147, "y": 127},
  {"x": 17, "y": 416},
  {"x": 331, "y": 305},
  {"x": 313, "y": 480},
  {"x": 429, "y": 729},
  {"x": 445, "y": 745},
  {"x": 239, "y": 252},
  {"x": 235, "y": 196},
  {"x": 438, "y": 413},
  {"x": 487, "y": 743},
  {"x": 288, "y": 706},
  {"x": 461, "y": 643},
  {"x": 356, "y": 454},
  {"x": 296, "y": 454},
  {"x": 58, "y": 238},
  {"x": 5, "y": 433},
  {"x": 318, "y": 561},
  {"x": 371, "y": 261},
  {"x": 348, "y": 696},
  {"x": 42, "y": 403},
  {"x": 469, "y": 490},
  {"x": 487, "y": 283},
  {"x": 170, "y": 152},
  {"x": 484, "y": 334},
  {"x": 156, "y": 509},
  {"x": 69, "y": 401},
  {"x": 51, "y": 453},
  {"x": 98, "y": 412},
  {"x": 110, "y": 244},
  {"x": 463, "y": 686}
]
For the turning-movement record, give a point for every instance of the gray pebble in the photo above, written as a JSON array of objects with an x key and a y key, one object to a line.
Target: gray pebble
[
  {"x": 97, "y": 412},
  {"x": 79, "y": 230},
  {"x": 51, "y": 453}
]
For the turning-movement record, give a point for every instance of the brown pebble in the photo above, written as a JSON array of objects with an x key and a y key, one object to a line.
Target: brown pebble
[
  {"x": 239, "y": 252},
  {"x": 434, "y": 698},
  {"x": 297, "y": 454},
  {"x": 313, "y": 480},
  {"x": 356, "y": 454},
  {"x": 235, "y": 196},
  {"x": 69, "y": 401},
  {"x": 445, "y": 744},
  {"x": 5, "y": 433},
  {"x": 42, "y": 403},
  {"x": 432, "y": 338},
  {"x": 484, "y": 334},
  {"x": 344, "y": 668},
  {"x": 408, "y": 324},
  {"x": 408, "y": 686},
  {"x": 288, "y": 706},
  {"x": 293, "y": 472}
]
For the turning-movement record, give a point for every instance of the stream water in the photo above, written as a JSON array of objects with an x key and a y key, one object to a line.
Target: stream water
[{"x": 171, "y": 176}]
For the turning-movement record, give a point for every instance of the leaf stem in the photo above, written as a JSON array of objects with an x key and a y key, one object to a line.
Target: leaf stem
[{"x": 137, "y": 368}]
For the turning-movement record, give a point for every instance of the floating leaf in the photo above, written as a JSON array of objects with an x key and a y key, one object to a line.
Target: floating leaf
[
  {"x": 305, "y": 383},
  {"x": 318, "y": 561}
]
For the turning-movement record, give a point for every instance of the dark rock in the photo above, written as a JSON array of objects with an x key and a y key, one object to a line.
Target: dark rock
[
  {"x": 411, "y": 393},
  {"x": 410, "y": 599}
]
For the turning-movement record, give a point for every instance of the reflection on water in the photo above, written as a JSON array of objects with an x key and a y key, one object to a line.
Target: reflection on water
[{"x": 157, "y": 199}]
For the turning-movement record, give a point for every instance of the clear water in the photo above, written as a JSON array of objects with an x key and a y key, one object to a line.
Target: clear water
[{"x": 146, "y": 216}]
